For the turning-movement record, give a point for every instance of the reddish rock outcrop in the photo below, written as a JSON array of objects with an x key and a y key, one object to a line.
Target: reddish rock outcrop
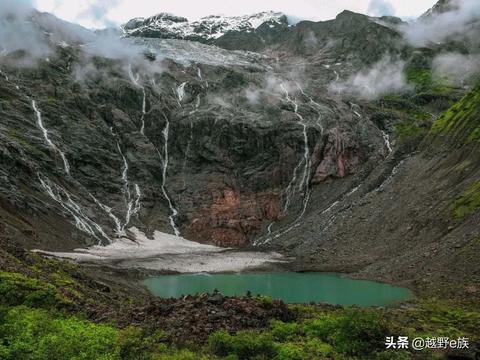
[
  {"x": 338, "y": 157},
  {"x": 232, "y": 218}
]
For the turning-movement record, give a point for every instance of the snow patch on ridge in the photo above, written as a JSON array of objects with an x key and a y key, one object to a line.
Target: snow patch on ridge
[{"x": 210, "y": 27}]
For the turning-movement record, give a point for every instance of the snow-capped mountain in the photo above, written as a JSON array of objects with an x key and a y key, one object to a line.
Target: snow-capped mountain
[{"x": 212, "y": 27}]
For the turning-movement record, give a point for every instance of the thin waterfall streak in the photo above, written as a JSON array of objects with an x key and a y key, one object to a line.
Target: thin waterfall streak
[
  {"x": 317, "y": 106},
  {"x": 138, "y": 195},
  {"x": 142, "y": 119},
  {"x": 132, "y": 204},
  {"x": 54, "y": 147},
  {"x": 126, "y": 184},
  {"x": 108, "y": 211},
  {"x": 181, "y": 91},
  {"x": 135, "y": 78},
  {"x": 82, "y": 221},
  {"x": 290, "y": 191},
  {"x": 386, "y": 140},
  {"x": 164, "y": 158},
  {"x": 305, "y": 179},
  {"x": 190, "y": 140}
]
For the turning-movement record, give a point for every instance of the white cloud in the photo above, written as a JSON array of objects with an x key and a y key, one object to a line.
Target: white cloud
[
  {"x": 446, "y": 25},
  {"x": 459, "y": 69},
  {"x": 380, "y": 8},
  {"x": 385, "y": 77}
]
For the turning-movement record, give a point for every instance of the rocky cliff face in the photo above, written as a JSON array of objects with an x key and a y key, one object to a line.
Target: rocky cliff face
[
  {"x": 309, "y": 144},
  {"x": 187, "y": 148}
]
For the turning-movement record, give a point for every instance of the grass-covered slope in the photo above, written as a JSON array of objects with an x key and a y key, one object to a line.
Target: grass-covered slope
[
  {"x": 459, "y": 127},
  {"x": 462, "y": 121}
]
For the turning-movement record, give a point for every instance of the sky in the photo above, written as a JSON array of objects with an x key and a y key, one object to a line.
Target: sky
[{"x": 102, "y": 13}]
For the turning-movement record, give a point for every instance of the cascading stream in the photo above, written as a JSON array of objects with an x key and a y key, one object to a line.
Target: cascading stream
[
  {"x": 303, "y": 184},
  {"x": 83, "y": 222},
  {"x": 315, "y": 106},
  {"x": 132, "y": 202},
  {"x": 306, "y": 156},
  {"x": 108, "y": 210},
  {"x": 134, "y": 78},
  {"x": 164, "y": 159},
  {"x": 386, "y": 139},
  {"x": 64, "y": 199},
  {"x": 190, "y": 139},
  {"x": 181, "y": 91},
  {"x": 54, "y": 147}
]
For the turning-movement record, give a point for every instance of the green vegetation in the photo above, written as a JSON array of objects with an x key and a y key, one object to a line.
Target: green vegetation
[
  {"x": 27, "y": 333},
  {"x": 31, "y": 327},
  {"x": 462, "y": 120},
  {"x": 424, "y": 80},
  {"x": 17, "y": 289},
  {"x": 41, "y": 318},
  {"x": 411, "y": 121},
  {"x": 468, "y": 203},
  {"x": 346, "y": 333},
  {"x": 410, "y": 130}
]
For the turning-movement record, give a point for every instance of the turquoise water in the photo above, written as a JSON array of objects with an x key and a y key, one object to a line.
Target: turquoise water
[{"x": 291, "y": 287}]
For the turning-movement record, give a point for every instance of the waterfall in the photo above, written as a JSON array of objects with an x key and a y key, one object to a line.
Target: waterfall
[
  {"x": 181, "y": 91},
  {"x": 132, "y": 203},
  {"x": 386, "y": 139},
  {"x": 391, "y": 176},
  {"x": 337, "y": 77},
  {"x": 303, "y": 184},
  {"x": 190, "y": 139},
  {"x": 199, "y": 74},
  {"x": 305, "y": 159},
  {"x": 64, "y": 199},
  {"x": 8, "y": 80},
  {"x": 38, "y": 114},
  {"x": 108, "y": 210},
  {"x": 269, "y": 228},
  {"x": 134, "y": 78},
  {"x": 142, "y": 118},
  {"x": 164, "y": 158},
  {"x": 316, "y": 106}
]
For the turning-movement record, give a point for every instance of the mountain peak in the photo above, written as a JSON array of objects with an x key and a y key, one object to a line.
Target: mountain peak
[
  {"x": 440, "y": 7},
  {"x": 166, "y": 25}
]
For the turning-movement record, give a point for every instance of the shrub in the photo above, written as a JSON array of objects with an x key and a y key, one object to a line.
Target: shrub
[
  {"x": 319, "y": 349},
  {"x": 33, "y": 334},
  {"x": 322, "y": 327},
  {"x": 284, "y": 331},
  {"x": 245, "y": 345},
  {"x": 134, "y": 344},
  {"x": 360, "y": 333},
  {"x": 292, "y": 351},
  {"x": 17, "y": 289}
]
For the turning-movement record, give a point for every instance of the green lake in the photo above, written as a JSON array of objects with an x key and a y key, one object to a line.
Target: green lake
[{"x": 291, "y": 287}]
